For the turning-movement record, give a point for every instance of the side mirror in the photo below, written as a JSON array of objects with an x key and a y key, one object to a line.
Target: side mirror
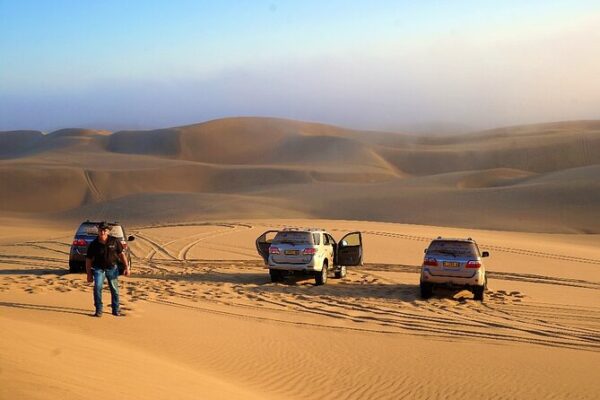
[
  {"x": 343, "y": 243},
  {"x": 130, "y": 239},
  {"x": 485, "y": 254}
]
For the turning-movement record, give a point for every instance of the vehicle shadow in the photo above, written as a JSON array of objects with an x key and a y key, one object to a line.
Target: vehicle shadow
[{"x": 34, "y": 271}]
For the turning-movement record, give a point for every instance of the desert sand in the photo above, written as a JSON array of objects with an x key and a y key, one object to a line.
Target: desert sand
[{"x": 203, "y": 320}]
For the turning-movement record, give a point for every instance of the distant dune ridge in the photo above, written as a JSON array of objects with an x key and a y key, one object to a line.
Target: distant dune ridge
[{"x": 543, "y": 177}]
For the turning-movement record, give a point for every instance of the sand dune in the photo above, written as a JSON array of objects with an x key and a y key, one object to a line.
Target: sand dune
[
  {"x": 204, "y": 321},
  {"x": 42, "y": 189},
  {"x": 164, "y": 142},
  {"x": 17, "y": 143},
  {"x": 543, "y": 153},
  {"x": 76, "y": 133},
  {"x": 531, "y": 178}
]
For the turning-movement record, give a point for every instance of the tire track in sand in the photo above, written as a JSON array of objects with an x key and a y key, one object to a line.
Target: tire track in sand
[
  {"x": 96, "y": 195},
  {"x": 156, "y": 247},
  {"x": 183, "y": 253},
  {"x": 233, "y": 229}
]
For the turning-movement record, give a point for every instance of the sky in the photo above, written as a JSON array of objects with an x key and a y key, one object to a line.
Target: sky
[{"x": 382, "y": 65}]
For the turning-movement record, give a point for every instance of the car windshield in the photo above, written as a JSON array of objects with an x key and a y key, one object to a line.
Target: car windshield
[
  {"x": 453, "y": 248},
  {"x": 92, "y": 230},
  {"x": 293, "y": 237}
]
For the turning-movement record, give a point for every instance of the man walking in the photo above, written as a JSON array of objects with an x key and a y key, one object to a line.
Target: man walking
[{"x": 101, "y": 263}]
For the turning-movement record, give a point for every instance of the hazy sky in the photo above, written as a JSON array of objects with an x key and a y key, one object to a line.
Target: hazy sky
[{"x": 363, "y": 64}]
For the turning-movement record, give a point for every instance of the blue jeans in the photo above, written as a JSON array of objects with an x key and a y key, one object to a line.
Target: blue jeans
[{"x": 111, "y": 275}]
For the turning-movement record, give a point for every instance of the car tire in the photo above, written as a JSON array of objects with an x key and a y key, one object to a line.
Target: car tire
[
  {"x": 341, "y": 272},
  {"x": 426, "y": 290},
  {"x": 478, "y": 292},
  {"x": 276, "y": 275},
  {"x": 74, "y": 267},
  {"x": 321, "y": 276}
]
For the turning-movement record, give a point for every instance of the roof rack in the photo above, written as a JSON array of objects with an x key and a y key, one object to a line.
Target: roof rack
[
  {"x": 302, "y": 229},
  {"x": 456, "y": 239}
]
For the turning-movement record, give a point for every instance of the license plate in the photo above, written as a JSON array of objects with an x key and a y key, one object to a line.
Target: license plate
[
  {"x": 451, "y": 264},
  {"x": 291, "y": 252}
]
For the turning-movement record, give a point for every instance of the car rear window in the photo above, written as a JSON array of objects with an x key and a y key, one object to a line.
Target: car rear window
[
  {"x": 454, "y": 248},
  {"x": 92, "y": 230},
  {"x": 293, "y": 237}
]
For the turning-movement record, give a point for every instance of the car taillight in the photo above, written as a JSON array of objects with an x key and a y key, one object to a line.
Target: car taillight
[
  {"x": 432, "y": 262},
  {"x": 309, "y": 251},
  {"x": 273, "y": 250},
  {"x": 473, "y": 264},
  {"x": 79, "y": 242}
]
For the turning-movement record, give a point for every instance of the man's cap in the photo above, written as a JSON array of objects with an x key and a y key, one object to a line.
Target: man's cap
[{"x": 104, "y": 225}]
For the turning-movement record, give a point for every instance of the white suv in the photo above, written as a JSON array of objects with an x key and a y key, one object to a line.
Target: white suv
[
  {"x": 454, "y": 262},
  {"x": 308, "y": 251}
]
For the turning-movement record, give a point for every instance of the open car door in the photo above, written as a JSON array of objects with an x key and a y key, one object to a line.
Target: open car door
[
  {"x": 263, "y": 242},
  {"x": 349, "y": 250}
]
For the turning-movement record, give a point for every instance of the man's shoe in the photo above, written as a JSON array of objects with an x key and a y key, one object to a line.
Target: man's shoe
[
  {"x": 118, "y": 314},
  {"x": 98, "y": 314}
]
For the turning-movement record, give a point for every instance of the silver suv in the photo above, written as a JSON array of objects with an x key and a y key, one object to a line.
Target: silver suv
[
  {"x": 454, "y": 262},
  {"x": 311, "y": 252}
]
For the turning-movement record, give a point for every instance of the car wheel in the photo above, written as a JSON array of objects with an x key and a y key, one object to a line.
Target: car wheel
[
  {"x": 341, "y": 272},
  {"x": 426, "y": 290},
  {"x": 276, "y": 275},
  {"x": 321, "y": 276},
  {"x": 73, "y": 267},
  {"x": 478, "y": 292}
]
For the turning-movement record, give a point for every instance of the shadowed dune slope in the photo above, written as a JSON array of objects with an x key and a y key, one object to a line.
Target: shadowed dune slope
[
  {"x": 193, "y": 179},
  {"x": 16, "y": 143},
  {"x": 536, "y": 177},
  {"x": 42, "y": 189},
  {"x": 527, "y": 153},
  {"x": 327, "y": 150},
  {"x": 162, "y": 142}
]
